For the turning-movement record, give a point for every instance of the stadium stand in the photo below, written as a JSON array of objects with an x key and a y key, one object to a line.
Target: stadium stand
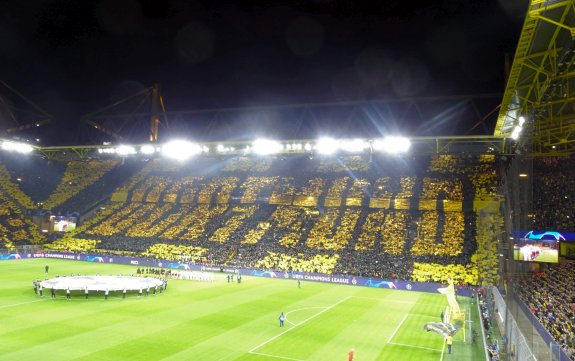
[
  {"x": 407, "y": 218},
  {"x": 550, "y": 297},
  {"x": 15, "y": 227},
  {"x": 554, "y": 192},
  {"x": 35, "y": 177},
  {"x": 548, "y": 292}
]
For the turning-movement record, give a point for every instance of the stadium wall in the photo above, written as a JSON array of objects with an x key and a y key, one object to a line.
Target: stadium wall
[{"x": 302, "y": 276}]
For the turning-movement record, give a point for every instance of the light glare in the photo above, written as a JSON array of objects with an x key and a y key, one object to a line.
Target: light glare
[
  {"x": 125, "y": 150},
  {"x": 266, "y": 146},
  {"x": 327, "y": 146},
  {"x": 354, "y": 145},
  {"x": 180, "y": 149},
  {"x": 17, "y": 147},
  {"x": 147, "y": 149},
  {"x": 392, "y": 145}
]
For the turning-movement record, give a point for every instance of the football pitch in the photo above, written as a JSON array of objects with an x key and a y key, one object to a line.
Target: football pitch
[{"x": 195, "y": 320}]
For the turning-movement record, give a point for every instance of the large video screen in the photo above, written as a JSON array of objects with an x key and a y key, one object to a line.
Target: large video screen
[
  {"x": 63, "y": 223},
  {"x": 537, "y": 246}
]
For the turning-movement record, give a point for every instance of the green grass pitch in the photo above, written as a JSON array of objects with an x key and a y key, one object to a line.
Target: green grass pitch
[{"x": 220, "y": 321}]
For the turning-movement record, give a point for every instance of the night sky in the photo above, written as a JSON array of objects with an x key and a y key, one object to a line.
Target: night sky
[{"x": 74, "y": 56}]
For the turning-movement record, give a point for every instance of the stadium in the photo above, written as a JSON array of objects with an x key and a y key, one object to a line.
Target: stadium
[{"x": 357, "y": 246}]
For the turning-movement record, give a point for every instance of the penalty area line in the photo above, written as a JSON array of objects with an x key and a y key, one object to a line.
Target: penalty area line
[
  {"x": 397, "y": 328},
  {"x": 274, "y": 356},
  {"x": 299, "y": 309},
  {"x": 414, "y": 346},
  {"x": 299, "y": 324}
]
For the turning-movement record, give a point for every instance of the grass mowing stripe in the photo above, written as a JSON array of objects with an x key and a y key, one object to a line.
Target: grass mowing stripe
[{"x": 299, "y": 324}]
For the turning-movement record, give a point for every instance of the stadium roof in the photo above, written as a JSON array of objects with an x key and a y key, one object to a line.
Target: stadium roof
[{"x": 541, "y": 84}]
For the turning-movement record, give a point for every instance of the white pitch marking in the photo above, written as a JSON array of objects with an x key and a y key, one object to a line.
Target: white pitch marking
[
  {"x": 413, "y": 346},
  {"x": 299, "y": 324},
  {"x": 298, "y": 309},
  {"x": 397, "y": 328},
  {"x": 274, "y": 356},
  {"x": 18, "y": 304}
]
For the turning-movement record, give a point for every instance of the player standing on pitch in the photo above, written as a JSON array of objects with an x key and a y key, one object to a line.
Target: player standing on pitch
[{"x": 351, "y": 355}]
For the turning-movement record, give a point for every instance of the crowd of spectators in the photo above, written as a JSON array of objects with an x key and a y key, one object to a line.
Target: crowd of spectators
[
  {"x": 433, "y": 272},
  {"x": 283, "y": 262},
  {"x": 447, "y": 243},
  {"x": 248, "y": 164},
  {"x": 71, "y": 244},
  {"x": 553, "y": 193},
  {"x": 254, "y": 186},
  {"x": 172, "y": 252},
  {"x": 550, "y": 295},
  {"x": 487, "y": 308},
  {"x": 8, "y": 186},
  {"x": 15, "y": 228},
  {"x": 243, "y": 210},
  {"x": 78, "y": 175},
  {"x": 323, "y": 236}
]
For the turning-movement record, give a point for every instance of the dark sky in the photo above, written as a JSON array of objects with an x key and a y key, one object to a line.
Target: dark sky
[{"x": 74, "y": 56}]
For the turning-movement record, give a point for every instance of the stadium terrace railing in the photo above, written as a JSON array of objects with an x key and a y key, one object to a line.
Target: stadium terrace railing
[{"x": 517, "y": 343}]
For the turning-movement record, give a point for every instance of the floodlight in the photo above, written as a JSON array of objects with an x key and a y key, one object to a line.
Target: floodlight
[
  {"x": 521, "y": 121},
  {"x": 180, "y": 149},
  {"x": 147, "y": 149},
  {"x": 17, "y": 147},
  {"x": 125, "y": 150},
  {"x": 266, "y": 146},
  {"x": 516, "y": 132},
  {"x": 354, "y": 145},
  {"x": 106, "y": 150},
  {"x": 326, "y": 145},
  {"x": 392, "y": 145}
]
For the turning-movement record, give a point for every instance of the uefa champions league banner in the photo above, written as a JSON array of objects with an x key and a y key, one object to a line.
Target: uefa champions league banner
[
  {"x": 354, "y": 281},
  {"x": 134, "y": 261},
  {"x": 302, "y": 276}
]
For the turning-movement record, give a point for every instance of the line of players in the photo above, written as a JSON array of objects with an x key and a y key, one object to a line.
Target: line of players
[{"x": 39, "y": 289}]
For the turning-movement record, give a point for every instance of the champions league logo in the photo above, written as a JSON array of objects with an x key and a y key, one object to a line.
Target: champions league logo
[
  {"x": 353, "y": 281},
  {"x": 408, "y": 286},
  {"x": 286, "y": 275}
]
